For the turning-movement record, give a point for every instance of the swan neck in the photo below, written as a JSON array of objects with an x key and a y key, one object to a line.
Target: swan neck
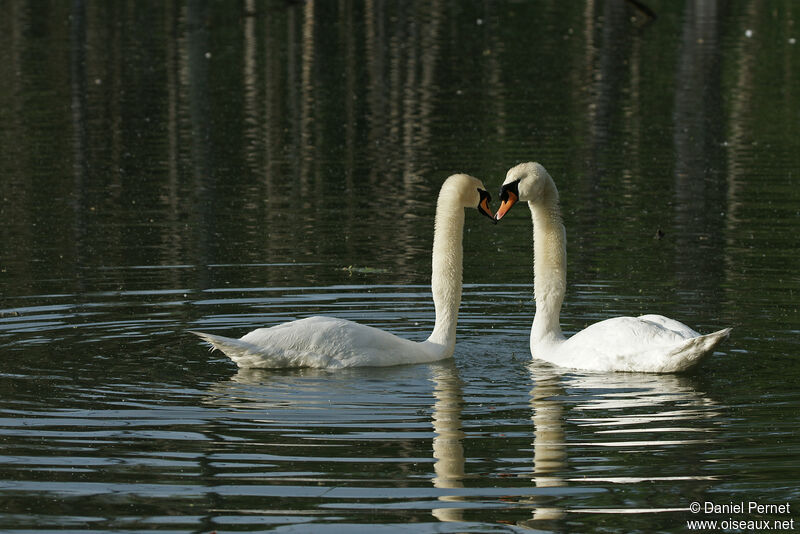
[
  {"x": 446, "y": 271},
  {"x": 549, "y": 270}
]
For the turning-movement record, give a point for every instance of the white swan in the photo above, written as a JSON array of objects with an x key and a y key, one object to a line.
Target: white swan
[
  {"x": 327, "y": 342},
  {"x": 650, "y": 343}
]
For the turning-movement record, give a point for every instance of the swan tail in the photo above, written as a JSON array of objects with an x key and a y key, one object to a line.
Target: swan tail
[
  {"x": 248, "y": 355},
  {"x": 237, "y": 350},
  {"x": 694, "y": 350}
]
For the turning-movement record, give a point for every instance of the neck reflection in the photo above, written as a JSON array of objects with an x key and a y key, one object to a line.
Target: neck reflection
[{"x": 448, "y": 443}]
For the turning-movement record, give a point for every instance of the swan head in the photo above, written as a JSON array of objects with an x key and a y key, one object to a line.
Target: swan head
[
  {"x": 528, "y": 182},
  {"x": 470, "y": 193}
]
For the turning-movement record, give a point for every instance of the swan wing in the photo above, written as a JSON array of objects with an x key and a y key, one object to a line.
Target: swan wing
[
  {"x": 669, "y": 324},
  {"x": 630, "y": 334},
  {"x": 650, "y": 343},
  {"x": 322, "y": 342}
]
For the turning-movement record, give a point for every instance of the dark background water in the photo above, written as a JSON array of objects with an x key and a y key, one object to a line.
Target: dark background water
[{"x": 223, "y": 166}]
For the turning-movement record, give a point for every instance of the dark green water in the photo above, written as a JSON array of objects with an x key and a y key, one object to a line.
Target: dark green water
[{"x": 221, "y": 167}]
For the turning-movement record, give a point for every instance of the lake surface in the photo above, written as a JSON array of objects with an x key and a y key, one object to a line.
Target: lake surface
[{"x": 169, "y": 167}]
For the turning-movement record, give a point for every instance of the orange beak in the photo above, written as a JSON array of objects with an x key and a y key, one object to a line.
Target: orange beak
[{"x": 506, "y": 205}]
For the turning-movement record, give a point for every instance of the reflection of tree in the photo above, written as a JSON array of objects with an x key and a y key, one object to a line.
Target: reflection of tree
[
  {"x": 214, "y": 121},
  {"x": 697, "y": 138},
  {"x": 79, "y": 122},
  {"x": 219, "y": 123},
  {"x": 309, "y": 126},
  {"x": 607, "y": 87},
  {"x": 740, "y": 141},
  {"x": 198, "y": 102},
  {"x": 401, "y": 61}
]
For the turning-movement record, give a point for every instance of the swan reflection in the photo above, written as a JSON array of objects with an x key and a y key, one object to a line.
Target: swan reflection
[
  {"x": 448, "y": 447},
  {"x": 549, "y": 448},
  {"x": 582, "y": 427},
  {"x": 603, "y": 405}
]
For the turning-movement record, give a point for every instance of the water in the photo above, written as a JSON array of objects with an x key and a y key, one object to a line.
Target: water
[{"x": 220, "y": 168}]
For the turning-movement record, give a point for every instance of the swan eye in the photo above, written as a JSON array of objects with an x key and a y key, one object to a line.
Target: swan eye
[
  {"x": 485, "y": 194},
  {"x": 512, "y": 187}
]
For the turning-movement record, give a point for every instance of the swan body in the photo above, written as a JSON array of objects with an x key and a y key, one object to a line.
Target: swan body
[
  {"x": 331, "y": 343},
  {"x": 325, "y": 342},
  {"x": 650, "y": 343}
]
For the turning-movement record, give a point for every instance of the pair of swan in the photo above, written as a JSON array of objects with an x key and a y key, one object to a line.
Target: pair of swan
[{"x": 650, "y": 343}]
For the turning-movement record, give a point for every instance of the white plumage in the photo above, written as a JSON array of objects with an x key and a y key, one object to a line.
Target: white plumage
[
  {"x": 322, "y": 342},
  {"x": 327, "y": 342},
  {"x": 650, "y": 343}
]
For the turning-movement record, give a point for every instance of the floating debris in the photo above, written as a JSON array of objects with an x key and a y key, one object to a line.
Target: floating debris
[{"x": 363, "y": 270}]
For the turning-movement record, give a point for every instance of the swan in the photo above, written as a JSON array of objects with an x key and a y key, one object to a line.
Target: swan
[
  {"x": 331, "y": 343},
  {"x": 649, "y": 344}
]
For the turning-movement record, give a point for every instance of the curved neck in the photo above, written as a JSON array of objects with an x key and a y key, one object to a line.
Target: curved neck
[
  {"x": 446, "y": 271},
  {"x": 549, "y": 270}
]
